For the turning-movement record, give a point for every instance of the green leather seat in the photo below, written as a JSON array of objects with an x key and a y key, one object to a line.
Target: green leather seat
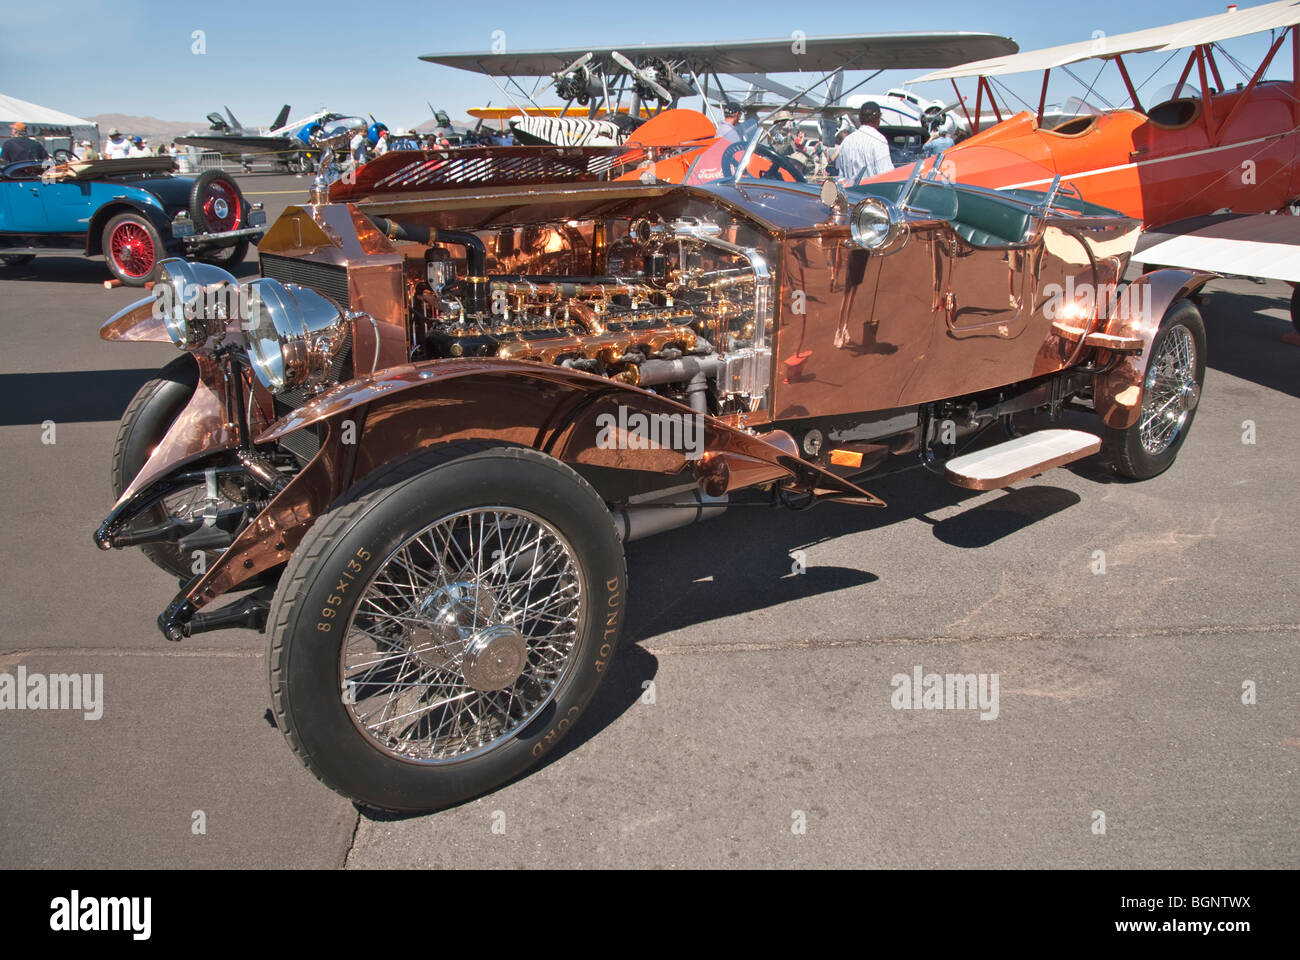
[{"x": 984, "y": 221}]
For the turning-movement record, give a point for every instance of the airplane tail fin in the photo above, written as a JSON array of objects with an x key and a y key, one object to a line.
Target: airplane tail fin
[
  {"x": 281, "y": 118},
  {"x": 235, "y": 125}
]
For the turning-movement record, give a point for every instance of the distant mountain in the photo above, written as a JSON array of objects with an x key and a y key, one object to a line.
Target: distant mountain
[{"x": 151, "y": 128}]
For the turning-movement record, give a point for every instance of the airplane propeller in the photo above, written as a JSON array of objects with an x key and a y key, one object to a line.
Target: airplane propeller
[
  {"x": 644, "y": 79},
  {"x": 578, "y": 81}
]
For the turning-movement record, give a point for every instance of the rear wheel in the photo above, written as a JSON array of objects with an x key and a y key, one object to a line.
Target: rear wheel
[
  {"x": 216, "y": 205},
  {"x": 1171, "y": 390},
  {"x": 437, "y": 634},
  {"x": 132, "y": 248}
]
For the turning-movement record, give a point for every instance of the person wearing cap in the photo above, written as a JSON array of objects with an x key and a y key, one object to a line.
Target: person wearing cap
[
  {"x": 117, "y": 146},
  {"x": 865, "y": 152},
  {"x": 88, "y": 151},
  {"x": 138, "y": 149},
  {"x": 20, "y": 147},
  {"x": 727, "y": 129},
  {"x": 940, "y": 140}
]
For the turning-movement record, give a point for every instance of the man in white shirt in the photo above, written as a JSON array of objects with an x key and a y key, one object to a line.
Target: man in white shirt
[
  {"x": 117, "y": 146},
  {"x": 727, "y": 129},
  {"x": 865, "y": 152},
  {"x": 360, "y": 148}
]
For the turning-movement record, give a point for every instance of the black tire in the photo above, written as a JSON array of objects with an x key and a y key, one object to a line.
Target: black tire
[
  {"x": 199, "y": 191},
  {"x": 17, "y": 259},
  {"x": 1123, "y": 449},
  {"x": 1295, "y": 309},
  {"x": 121, "y": 268},
  {"x": 354, "y": 540},
  {"x": 145, "y": 422},
  {"x": 227, "y": 257}
]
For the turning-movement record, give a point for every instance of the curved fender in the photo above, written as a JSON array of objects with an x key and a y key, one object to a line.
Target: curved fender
[
  {"x": 580, "y": 418},
  {"x": 136, "y": 323},
  {"x": 200, "y": 429},
  {"x": 1117, "y": 397}
]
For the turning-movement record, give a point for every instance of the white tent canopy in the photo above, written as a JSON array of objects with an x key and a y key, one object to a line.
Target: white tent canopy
[
  {"x": 1175, "y": 36},
  {"x": 42, "y": 121}
]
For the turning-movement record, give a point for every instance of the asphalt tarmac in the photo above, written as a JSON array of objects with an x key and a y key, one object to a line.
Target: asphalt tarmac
[{"x": 749, "y": 720}]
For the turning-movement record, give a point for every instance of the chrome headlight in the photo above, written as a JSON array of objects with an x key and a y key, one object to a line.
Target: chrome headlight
[
  {"x": 193, "y": 300},
  {"x": 292, "y": 334},
  {"x": 876, "y": 225}
]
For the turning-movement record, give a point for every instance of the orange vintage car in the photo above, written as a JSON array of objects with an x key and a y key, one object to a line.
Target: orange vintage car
[{"x": 415, "y": 447}]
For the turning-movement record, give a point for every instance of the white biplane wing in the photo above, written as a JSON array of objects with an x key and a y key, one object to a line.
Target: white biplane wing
[
  {"x": 1265, "y": 246},
  {"x": 1175, "y": 36}
]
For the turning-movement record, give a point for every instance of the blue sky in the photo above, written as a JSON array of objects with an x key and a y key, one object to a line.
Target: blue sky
[{"x": 136, "y": 57}]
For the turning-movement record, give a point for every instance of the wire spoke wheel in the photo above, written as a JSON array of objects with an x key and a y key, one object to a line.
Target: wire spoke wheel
[
  {"x": 463, "y": 635},
  {"x": 132, "y": 249},
  {"x": 221, "y": 206},
  {"x": 1170, "y": 392},
  {"x": 441, "y": 630}
]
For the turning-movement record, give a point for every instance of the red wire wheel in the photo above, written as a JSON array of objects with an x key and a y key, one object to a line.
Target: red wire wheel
[
  {"x": 222, "y": 205},
  {"x": 132, "y": 249}
]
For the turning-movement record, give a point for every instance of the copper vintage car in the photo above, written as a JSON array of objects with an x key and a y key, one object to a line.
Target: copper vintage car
[{"x": 417, "y": 445}]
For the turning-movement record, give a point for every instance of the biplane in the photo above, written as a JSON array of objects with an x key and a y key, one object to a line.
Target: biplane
[
  {"x": 610, "y": 89},
  {"x": 1204, "y": 167}
]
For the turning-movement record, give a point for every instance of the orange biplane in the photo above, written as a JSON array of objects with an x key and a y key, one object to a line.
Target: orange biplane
[{"x": 1201, "y": 168}]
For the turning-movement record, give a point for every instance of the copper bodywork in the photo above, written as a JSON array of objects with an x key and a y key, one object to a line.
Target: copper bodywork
[{"x": 937, "y": 319}]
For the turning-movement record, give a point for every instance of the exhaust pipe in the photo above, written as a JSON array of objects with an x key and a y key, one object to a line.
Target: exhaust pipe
[{"x": 666, "y": 511}]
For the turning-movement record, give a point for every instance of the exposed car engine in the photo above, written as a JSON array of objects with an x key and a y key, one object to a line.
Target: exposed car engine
[{"x": 677, "y": 307}]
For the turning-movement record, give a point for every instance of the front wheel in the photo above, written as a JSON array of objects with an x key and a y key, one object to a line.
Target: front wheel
[
  {"x": 132, "y": 248},
  {"x": 1171, "y": 390},
  {"x": 146, "y": 421},
  {"x": 438, "y": 633}
]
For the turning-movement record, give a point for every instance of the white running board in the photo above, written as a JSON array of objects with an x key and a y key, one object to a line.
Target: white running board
[{"x": 1004, "y": 464}]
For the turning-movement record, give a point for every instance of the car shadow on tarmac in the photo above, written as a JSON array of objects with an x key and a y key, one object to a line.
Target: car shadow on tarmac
[
  {"x": 723, "y": 567},
  {"x": 69, "y": 396},
  {"x": 75, "y": 269}
]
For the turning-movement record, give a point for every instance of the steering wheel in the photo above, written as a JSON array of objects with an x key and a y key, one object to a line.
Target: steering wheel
[{"x": 779, "y": 164}]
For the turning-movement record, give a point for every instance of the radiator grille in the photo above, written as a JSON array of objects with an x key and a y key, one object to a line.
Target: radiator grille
[{"x": 325, "y": 278}]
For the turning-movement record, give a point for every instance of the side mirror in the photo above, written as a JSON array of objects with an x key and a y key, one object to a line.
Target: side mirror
[{"x": 833, "y": 196}]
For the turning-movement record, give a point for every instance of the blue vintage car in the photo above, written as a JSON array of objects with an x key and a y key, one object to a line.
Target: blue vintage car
[{"x": 134, "y": 212}]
